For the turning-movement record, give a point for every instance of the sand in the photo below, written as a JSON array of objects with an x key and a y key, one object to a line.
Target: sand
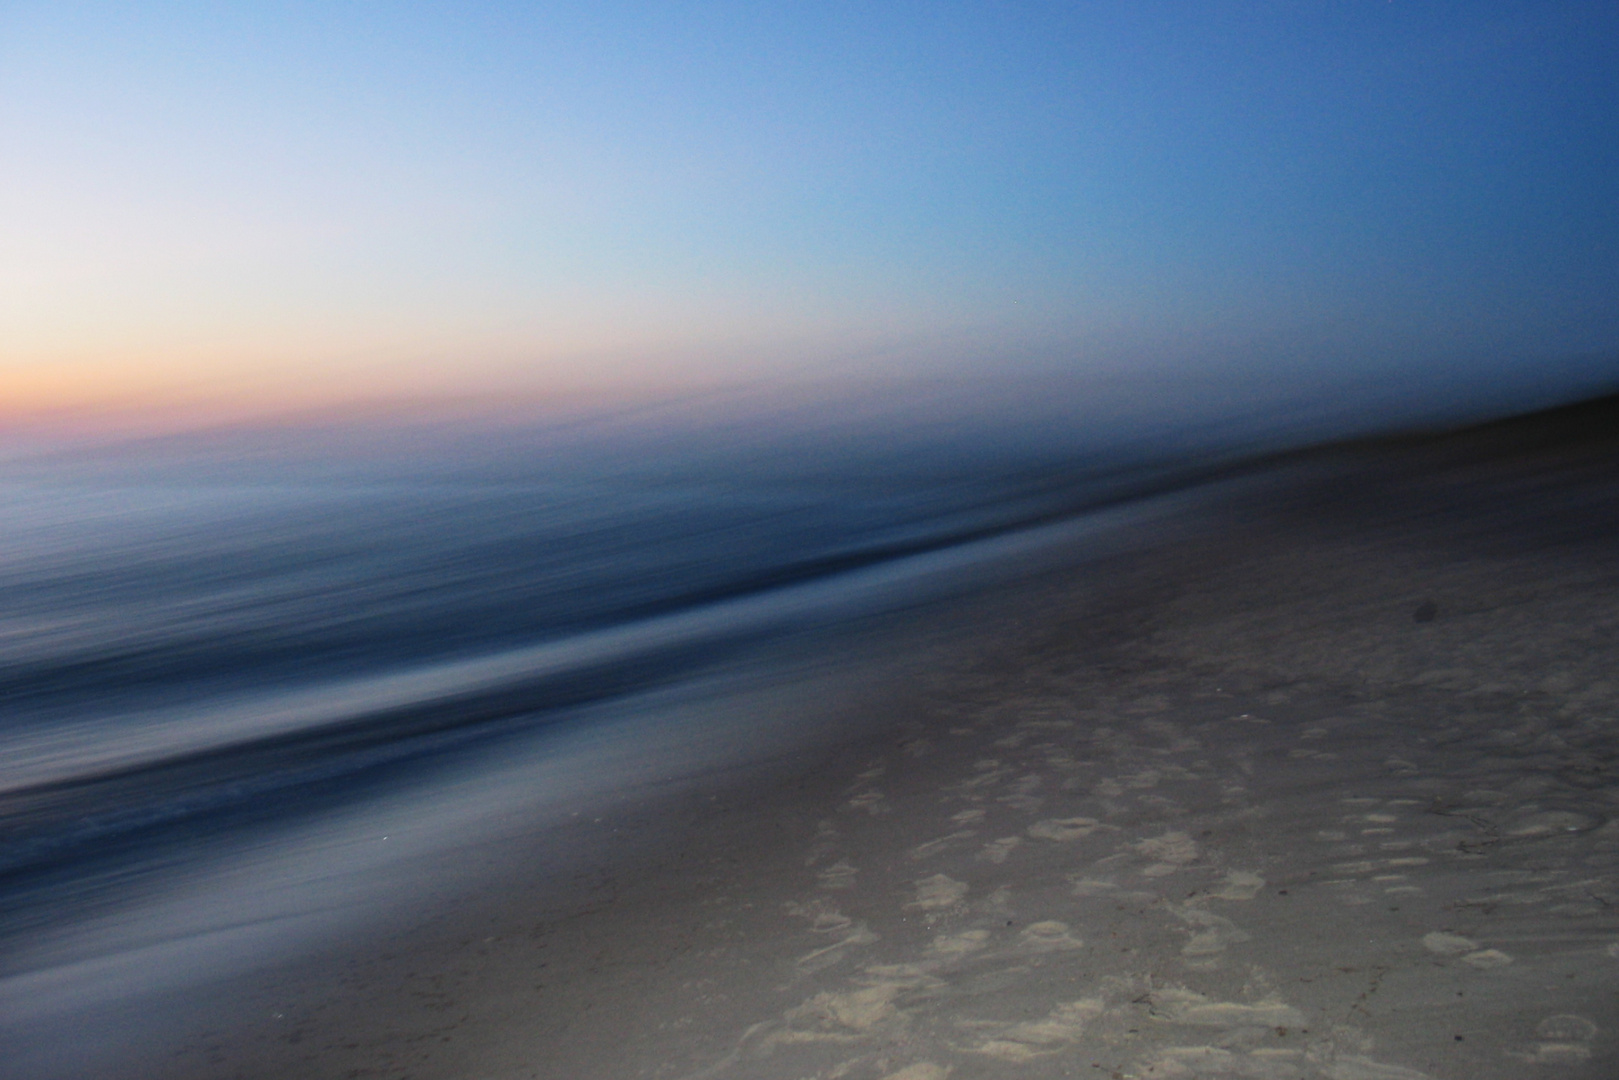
[{"x": 1318, "y": 785}]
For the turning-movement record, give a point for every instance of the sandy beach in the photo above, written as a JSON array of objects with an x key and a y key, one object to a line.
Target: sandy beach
[{"x": 1316, "y": 783}]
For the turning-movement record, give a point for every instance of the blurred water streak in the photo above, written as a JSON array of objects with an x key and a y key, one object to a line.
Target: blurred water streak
[{"x": 196, "y": 666}]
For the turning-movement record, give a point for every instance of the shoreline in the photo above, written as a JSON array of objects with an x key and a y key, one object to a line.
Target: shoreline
[{"x": 1237, "y": 804}]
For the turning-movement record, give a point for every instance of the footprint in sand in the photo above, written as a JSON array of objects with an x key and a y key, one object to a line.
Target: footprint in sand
[
  {"x": 840, "y": 875},
  {"x": 1375, "y": 824},
  {"x": 1058, "y": 758},
  {"x": 872, "y": 802},
  {"x": 826, "y": 842},
  {"x": 996, "y": 851},
  {"x": 1063, "y": 829},
  {"x": 1448, "y": 944},
  {"x": 1195, "y": 1062},
  {"x": 829, "y": 955},
  {"x": 998, "y": 902},
  {"x": 1085, "y": 886},
  {"x": 922, "y": 1070},
  {"x": 1364, "y": 1068},
  {"x": 950, "y": 947},
  {"x": 1240, "y": 885},
  {"x": 933, "y": 847},
  {"x": 1534, "y": 824},
  {"x": 917, "y": 747},
  {"x": 1444, "y": 943},
  {"x": 822, "y": 917},
  {"x": 1180, "y": 1006},
  {"x": 1048, "y": 936},
  {"x": 1211, "y": 934},
  {"x": 1487, "y": 958},
  {"x": 845, "y": 1017},
  {"x": 1022, "y": 796},
  {"x": 1169, "y": 852},
  {"x": 938, "y": 895},
  {"x": 1566, "y": 1027},
  {"x": 1059, "y": 1029},
  {"x": 848, "y": 1016},
  {"x": 989, "y": 773},
  {"x": 1147, "y": 778},
  {"x": 1565, "y": 1039}
]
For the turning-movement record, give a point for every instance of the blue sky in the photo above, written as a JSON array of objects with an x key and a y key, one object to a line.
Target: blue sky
[{"x": 307, "y": 203}]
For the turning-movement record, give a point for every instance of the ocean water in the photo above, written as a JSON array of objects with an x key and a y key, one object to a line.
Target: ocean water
[{"x": 224, "y": 688}]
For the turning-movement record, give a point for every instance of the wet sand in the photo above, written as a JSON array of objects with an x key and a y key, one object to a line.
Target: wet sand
[{"x": 1318, "y": 784}]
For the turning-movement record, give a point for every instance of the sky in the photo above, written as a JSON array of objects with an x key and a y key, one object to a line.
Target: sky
[{"x": 260, "y": 206}]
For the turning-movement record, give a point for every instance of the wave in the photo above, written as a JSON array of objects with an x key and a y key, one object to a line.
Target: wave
[{"x": 204, "y": 662}]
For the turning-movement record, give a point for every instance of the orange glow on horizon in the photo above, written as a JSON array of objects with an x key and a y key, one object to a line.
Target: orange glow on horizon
[{"x": 151, "y": 389}]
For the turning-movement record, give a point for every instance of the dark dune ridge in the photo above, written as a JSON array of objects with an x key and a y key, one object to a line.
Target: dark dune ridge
[{"x": 1312, "y": 778}]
